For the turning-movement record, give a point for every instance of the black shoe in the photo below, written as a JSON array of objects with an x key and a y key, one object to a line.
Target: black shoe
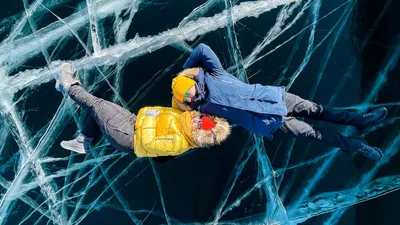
[
  {"x": 372, "y": 153},
  {"x": 352, "y": 144},
  {"x": 374, "y": 116}
]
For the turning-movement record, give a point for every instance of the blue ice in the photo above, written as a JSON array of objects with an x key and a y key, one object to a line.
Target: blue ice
[{"x": 54, "y": 195}]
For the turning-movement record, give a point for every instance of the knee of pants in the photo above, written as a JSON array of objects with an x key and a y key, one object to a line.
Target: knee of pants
[
  {"x": 95, "y": 104},
  {"x": 301, "y": 129},
  {"x": 98, "y": 101}
]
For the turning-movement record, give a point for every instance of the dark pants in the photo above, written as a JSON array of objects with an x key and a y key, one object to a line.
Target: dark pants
[
  {"x": 105, "y": 118},
  {"x": 298, "y": 107}
]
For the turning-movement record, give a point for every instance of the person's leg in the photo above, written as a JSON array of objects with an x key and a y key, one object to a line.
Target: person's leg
[
  {"x": 115, "y": 122},
  {"x": 298, "y": 128},
  {"x": 299, "y": 107},
  {"x": 90, "y": 128}
]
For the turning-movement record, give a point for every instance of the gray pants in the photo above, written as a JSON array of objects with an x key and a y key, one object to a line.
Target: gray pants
[
  {"x": 105, "y": 118},
  {"x": 298, "y": 107}
]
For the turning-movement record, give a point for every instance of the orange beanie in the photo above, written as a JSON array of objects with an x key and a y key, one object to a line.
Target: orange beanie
[{"x": 180, "y": 85}]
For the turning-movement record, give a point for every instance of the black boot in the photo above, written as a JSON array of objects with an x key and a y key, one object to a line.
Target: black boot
[
  {"x": 374, "y": 116},
  {"x": 347, "y": 117},
  {"x": 352, "y": 144}
]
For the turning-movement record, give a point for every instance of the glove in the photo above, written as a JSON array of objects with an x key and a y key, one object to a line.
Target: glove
[{"x": 153, "y": 112}]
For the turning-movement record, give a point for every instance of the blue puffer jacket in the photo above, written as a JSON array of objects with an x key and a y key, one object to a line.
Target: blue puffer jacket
[{"x": 255, "y": 107}]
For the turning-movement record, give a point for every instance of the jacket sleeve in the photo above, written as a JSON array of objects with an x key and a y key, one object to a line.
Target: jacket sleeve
[
  {"x": 172, "y": 144},
  {"x": 203, "y": 56}
]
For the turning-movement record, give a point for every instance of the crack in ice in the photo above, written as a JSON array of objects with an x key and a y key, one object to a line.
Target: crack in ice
[{"x": 33, "y": 172}]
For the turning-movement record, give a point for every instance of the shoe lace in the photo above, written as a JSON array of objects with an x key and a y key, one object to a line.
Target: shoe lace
[
  {"x": 368, "y": 117},
  {"x": 365, "y": 151},
  {"x": 80, "y": 138}
]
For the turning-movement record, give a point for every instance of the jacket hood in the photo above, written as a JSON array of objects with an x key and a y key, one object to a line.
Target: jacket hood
[
  {"x": 190, "y": 73},
  {"x": 205, "y": 138}
]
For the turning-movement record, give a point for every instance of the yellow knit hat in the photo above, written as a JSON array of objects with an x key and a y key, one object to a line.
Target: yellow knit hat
[{"x": 180, "y": 85}]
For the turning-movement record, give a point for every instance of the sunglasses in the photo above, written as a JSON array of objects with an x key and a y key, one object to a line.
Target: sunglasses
[{"x": 186, "y": 97}]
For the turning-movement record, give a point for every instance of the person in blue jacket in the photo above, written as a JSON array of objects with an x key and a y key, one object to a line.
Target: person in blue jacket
[{"x": 205, "y": 86}]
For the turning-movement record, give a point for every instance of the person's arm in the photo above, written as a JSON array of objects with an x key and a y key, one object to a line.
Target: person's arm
[
  {"x": 203, "y": 56},
  {"x": 167, "y": 145}
]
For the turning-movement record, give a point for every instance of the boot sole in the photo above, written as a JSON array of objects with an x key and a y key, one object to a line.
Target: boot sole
[
  {"x": 384, "y": 116},
  {"x": 381, "y": 154}
]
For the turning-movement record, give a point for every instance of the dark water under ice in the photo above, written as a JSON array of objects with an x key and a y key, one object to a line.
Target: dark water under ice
[{"x": 194, "y": 185}]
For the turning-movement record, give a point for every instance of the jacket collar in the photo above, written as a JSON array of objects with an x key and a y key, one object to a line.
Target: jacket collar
[
  {"x": 200, "y": 85},
  {"x": 204, "y": 138}
]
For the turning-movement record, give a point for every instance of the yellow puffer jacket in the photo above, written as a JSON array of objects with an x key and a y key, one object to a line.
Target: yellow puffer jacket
[
  {"x": 170, "y": 132},
  {"x": 161, "y": 135}
]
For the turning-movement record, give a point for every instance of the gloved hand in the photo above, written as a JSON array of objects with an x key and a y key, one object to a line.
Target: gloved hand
[{"x": 153, "y": 112}]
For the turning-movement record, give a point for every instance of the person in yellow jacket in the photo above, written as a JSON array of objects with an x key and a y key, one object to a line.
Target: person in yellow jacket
[{"x": 154, "y": 132}]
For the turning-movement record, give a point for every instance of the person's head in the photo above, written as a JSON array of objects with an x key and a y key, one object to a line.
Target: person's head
[
  {"x": 204, "y": 130},
  {"x": 184, "y": 88}
]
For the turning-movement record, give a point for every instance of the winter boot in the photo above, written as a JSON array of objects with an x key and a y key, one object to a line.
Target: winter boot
[
  {"x": 80, "y": 144},
  {"x": 352, "y": 144},
  {"x": 372, "y": 153},
  {"x": 66, "y": 77},
  {"x": 374, "y": 116},
  {"x": 356, "y": 119}
]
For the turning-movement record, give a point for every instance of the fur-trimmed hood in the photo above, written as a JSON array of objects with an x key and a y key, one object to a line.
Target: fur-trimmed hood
[
  {"x": 190, "y": 73},
  {"x": 205, "y": 138}
]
